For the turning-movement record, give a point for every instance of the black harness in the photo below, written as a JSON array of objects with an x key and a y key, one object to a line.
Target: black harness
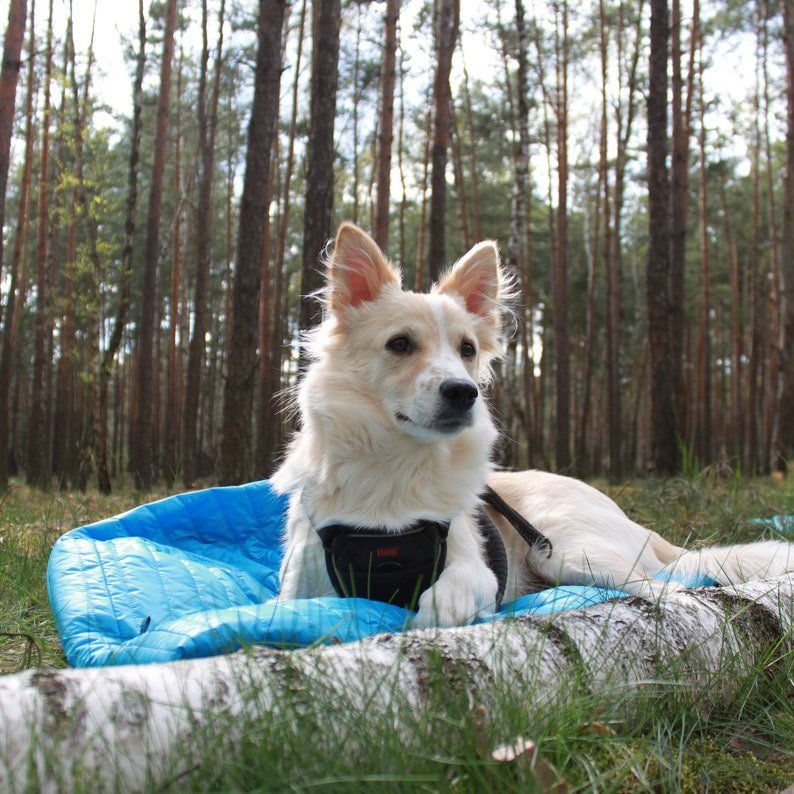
[{"x": 397, "y": 567}]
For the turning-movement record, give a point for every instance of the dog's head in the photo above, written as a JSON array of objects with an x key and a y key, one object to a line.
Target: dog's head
[{"x": 417, "y": 360}]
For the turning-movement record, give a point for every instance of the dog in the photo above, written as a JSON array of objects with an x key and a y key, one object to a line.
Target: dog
[{"x": 395, "y": 431}]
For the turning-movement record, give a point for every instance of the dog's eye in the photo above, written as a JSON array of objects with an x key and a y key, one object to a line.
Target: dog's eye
[
  {"x": 467, "y": 350},
  {"x": 400, "y": 344}
]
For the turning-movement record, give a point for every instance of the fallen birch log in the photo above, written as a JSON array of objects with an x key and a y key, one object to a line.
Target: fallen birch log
[{"x": 133, "y": 727}]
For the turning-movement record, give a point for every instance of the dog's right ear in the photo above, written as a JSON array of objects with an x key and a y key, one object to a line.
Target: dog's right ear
[{"x": 357, "y": 270}]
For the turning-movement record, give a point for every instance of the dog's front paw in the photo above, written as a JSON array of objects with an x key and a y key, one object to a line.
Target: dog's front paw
[{"x": 462, "y": 593}]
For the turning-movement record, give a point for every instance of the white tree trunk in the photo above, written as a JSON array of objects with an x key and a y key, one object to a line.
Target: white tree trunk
[{"x": 131, "y": 727}]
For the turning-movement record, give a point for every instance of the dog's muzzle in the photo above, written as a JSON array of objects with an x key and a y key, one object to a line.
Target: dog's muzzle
[{"x": 458, "y": 397}]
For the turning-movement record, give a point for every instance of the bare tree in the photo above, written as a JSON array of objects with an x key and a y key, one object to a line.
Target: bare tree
[
  {"x": 562, "y": 445},
  {"x": 9, "y": 76},
  {"x": 664, "y": 437},
  {"x": 122, "y": 310},
  {"x": 268, "y": 434},
  {"x": 785, "y": 396},
  {"x": 207, "y": 125},
  {"x": 326, "y": 21},
  {"x": 142, "y": 453},
  {"x": 681, "y": 109},
  {"x": 447, "y": 26},
  {"x": 18, "y": 278},
  {"x": 386, "y": 124},
  {"x": 238, "y": 396},
  {"x": 703, "y": 386}
]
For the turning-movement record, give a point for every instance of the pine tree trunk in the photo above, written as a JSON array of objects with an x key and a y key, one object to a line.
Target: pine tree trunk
[
  {"x": 18, "y": 278},
  {"x": 38, "y": 470},
  {"x": 460, "y": 180},
  {"x": 420, "y": 277},
  {"x": 625, "y": 121},
  {"x": 236, "y": 459},
  {"x": 207, "y": 123},
  {"x": 142, "y": 463},
  {"x": 523, "y": 231},
  {"x": 446, "y": 36},
  {"x": 771, "y": 428},
  {"x": 171, "y": 458},
  {"x": 142, "y": 726},
  {"x": 39, "y": 464},
  {"x": 91, "y": 294},
  {"x": 664, "y": 440},
  {"x": 562, "y": 443},
  {"x": 474, "y": 170},
  {"x": 703, "y": 399},
  {"x": 64, "y": 442},
  {"x": 755, "y": 294},
  {"x": 9, "y": 77},
  {"x": 679, "y": 198},
  {"x": 386, "y": 123},
  {"x": 269, "y": 432},
  {"x": 320, "y": 153},
  {"x": 785, "y": 394}
]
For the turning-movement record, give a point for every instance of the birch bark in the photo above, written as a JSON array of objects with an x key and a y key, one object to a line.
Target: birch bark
[{"x": 132, "y": 727}]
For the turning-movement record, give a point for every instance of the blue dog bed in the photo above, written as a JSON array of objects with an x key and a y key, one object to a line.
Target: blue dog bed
[{"x": 197, "y": 574}]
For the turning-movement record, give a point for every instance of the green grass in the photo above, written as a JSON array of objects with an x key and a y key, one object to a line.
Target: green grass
[
  {"x": 671, "y": 741},
  {"x": 30, "y": 522}
]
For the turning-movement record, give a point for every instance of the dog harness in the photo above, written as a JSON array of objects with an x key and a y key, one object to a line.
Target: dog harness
[{"x": 397, "y": 567}]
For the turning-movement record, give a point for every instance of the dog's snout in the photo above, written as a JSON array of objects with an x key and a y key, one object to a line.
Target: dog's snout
[{"x": 459, "y": 394}]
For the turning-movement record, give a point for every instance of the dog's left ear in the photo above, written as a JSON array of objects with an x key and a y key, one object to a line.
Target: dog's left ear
[{"x": 478, "y": 278}]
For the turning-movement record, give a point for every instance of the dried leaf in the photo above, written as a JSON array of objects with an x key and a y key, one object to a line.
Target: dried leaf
[
  {"x": 601, "y": 729},
  {"x": 480, "y": 733}
]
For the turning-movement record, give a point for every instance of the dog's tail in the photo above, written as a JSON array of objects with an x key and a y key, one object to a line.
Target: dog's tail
[{"x": 733, "y": 564}]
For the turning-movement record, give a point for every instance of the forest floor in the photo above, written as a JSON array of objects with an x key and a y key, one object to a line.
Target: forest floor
[{"x": 670, "y": 746}]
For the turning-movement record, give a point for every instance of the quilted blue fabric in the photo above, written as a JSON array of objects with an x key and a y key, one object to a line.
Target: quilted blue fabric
[{"x": 196, "y": 574}]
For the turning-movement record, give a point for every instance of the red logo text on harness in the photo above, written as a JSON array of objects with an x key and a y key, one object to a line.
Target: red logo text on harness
[{"x": 388, "y": 551}]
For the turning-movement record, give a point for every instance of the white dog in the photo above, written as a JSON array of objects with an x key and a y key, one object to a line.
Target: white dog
[{"x": 396, "y": 440}]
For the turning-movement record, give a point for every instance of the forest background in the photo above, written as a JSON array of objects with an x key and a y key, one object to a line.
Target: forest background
[{"x": 170, "y": 179}]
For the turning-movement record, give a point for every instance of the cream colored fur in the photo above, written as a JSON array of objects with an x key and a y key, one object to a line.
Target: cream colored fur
[{"x": 373, "y": 451}]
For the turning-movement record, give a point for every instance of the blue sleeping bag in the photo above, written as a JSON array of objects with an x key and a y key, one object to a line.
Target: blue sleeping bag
[{"x": 197, "y": 574}]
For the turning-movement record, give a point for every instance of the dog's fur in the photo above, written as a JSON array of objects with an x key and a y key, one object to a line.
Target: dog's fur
[{"x": 382, "y": 444}]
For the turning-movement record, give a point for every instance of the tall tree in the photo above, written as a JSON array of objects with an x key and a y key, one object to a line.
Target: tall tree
[
  {"x": 625, "y": 111},
  {"x": 703, "y": 388},
  {"x": 142, "y": 454},
  {"x": 447, "y": 25},
  {"x": 39, "y": 466},
  {"x": 562, "y": 445},
  {"x": 664, "y": 436},
  {"x": 521, "y": 227},
  {"x": 64, "y": 448},
  {"x": 326, "y": 22},
  {"x": 268, "y": 434},
  {"x": 122, "y": 309},
  {"x": 681, "y": 109},
  {"x": 16, "y": 292},
  {"x": 386, "y": 123},
  {"x": 9, "y": 76},
  {"x": 207, "y": 125},
  {"x": 238, "y": 394},
  {"x": 785, "y": 394}
]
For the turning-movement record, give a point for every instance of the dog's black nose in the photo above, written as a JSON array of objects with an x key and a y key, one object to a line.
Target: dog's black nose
[{"x": 458, "y": 394}]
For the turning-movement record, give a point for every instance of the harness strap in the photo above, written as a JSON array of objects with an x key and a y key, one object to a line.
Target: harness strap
[
  {"x": 532, "y": 536},
  {"x": 495, "y": 553}
]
